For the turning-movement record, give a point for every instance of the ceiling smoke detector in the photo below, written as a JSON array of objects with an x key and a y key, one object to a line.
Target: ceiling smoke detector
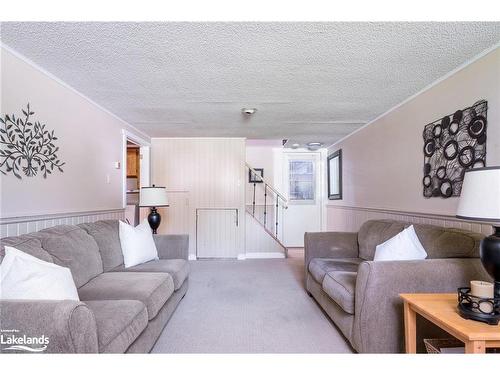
[{"x": 248, "y": 111}]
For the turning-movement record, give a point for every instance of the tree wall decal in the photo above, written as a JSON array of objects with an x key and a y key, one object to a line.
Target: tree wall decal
[{"x": 27, "y": 146}]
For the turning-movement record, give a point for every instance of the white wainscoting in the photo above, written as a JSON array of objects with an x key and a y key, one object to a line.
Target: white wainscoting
[
  {"x": 217, "y": 233},
  {"x": 15, "y": 226},
  {"x": 350, "y": 219}
]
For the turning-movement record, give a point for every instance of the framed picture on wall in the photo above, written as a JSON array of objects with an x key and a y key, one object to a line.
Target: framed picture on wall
[
  {"x": 334, "y": 165},
  {"x": 256, "y": 178}
]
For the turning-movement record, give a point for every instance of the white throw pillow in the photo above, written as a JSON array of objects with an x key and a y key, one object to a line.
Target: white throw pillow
[
  {"x": 403, "y": 246},
  {"x": 23, "y": 276},
  {"x": 137, "y": 243}
]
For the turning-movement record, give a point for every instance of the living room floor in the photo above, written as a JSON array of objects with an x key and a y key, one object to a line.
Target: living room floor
[{"x": 251, "y": 306}]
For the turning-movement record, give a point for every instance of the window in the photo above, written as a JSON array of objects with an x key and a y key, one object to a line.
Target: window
[{"x": 301, "y": 180}]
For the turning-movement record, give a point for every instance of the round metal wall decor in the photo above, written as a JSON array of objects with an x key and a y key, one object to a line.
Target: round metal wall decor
[{"x": 453, "y": 144}]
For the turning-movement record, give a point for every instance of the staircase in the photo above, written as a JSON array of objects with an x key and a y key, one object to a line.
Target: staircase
[{"x": 266, "y": 206}]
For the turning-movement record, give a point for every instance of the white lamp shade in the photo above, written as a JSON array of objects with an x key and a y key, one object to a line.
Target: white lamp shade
[
  {"x": 154, "y": 196},
  {"x": 480, "y": 197}
]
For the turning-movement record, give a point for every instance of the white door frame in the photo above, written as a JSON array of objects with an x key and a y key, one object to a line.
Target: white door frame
[{"x": 144, "y": 162}]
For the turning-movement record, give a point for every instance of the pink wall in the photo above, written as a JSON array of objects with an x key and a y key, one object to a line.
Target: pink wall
[
  {"x": 89, "y": 137},
  {"x": 382, "y": 163}
]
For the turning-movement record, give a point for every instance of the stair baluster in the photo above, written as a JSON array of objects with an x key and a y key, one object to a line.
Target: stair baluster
[
  {"x": 265, "y": 203},
  {"x": 277, "y": 204},
  {"x": 253, "y": 204}
]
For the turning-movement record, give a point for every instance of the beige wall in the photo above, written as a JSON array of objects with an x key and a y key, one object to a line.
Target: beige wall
[
  {"x": 90, "y": 141},
  {"x": 383, "y": 162}
]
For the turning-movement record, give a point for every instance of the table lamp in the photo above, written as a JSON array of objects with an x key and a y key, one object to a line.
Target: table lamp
[
  {"x": 153, "y": 196},
  {"x": 480, "y": 200}
]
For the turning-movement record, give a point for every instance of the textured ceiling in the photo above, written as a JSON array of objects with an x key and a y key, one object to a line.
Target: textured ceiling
[{"x": 309, "y": 81}]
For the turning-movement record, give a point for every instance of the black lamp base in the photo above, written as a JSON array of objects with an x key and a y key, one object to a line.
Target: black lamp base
[
  {"x": 489, "y": 251},
  {"x": 154, "y": 219}
]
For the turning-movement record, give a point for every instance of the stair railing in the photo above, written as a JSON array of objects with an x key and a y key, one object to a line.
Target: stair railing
[{"x": 267, "y": 205}]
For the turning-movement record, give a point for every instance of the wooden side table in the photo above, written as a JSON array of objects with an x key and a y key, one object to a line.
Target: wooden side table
[{"x": 441, "y": 309}]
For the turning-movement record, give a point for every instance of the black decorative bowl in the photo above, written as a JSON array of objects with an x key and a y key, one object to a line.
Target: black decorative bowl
[{"x": 486, "y": 310}]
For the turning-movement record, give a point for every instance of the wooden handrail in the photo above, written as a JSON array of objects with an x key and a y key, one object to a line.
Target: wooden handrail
[{"x": 285, "y": 201}]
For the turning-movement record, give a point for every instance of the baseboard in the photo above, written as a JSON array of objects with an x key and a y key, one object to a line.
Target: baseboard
[
  {"x": 273, "y": 255},
  {"x": 192, "y": 257},
  {"x": 241, "y": 257}
]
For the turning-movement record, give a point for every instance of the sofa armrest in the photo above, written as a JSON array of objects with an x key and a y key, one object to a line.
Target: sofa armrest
[
  {"x": 378, "y": 321},
  {"x": 330, "y": 245},
  {"x": 172, "y": 246},
  {"x": 69, "y": 326}
]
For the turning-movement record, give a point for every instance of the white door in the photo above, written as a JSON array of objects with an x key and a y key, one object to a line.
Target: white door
[
  {"x": 217, "y": 233},
  {"x": 302, "y": 178}
]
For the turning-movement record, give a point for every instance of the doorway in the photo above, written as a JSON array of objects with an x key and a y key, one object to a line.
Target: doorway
[
  {"x": 303, "y": 180},
  {"x": 136, "y": 174}
]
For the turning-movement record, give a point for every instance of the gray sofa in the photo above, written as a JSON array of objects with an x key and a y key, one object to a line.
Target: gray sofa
[
  {"x": 121, "y": 310},
  {"x": 362, "y": 296}
]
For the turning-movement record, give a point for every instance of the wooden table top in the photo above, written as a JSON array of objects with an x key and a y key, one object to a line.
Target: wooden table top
[{"x": 441, "y": 309}]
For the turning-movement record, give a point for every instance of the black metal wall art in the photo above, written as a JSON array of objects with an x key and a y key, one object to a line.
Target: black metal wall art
[
  {"x": 27, "y": 146},
  {"x": 452, "y": 145}
]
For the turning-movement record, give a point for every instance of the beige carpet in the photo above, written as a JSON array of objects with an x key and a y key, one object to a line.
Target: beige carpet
[{"x": 251, "y": 306}]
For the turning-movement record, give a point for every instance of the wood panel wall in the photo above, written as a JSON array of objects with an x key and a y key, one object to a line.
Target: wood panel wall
[
  {"x": 350, "y": 219},
  {"x": 210, "y": 170}
]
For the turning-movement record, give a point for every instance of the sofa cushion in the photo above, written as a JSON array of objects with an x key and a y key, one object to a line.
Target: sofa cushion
[
  {"x": 341, "y": 287},
  {"x": 119, "y": 323},
  {"x": 438, "y": 242},
  {"x": 72, "y": 247},
  {"x": 106, "y": 235},
  {"x": 152, "y": 289},
  {"x": 375, "y": 232},
  {"x": 177, "y": 268},
  {"x": 319, "y": 267},
  {"x": 27, "y": 244},
  {"x": 448, "y": 242}
]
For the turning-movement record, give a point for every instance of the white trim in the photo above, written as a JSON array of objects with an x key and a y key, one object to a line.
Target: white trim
[
  {"x": 430, "y": 215},
  {"x": 145, "y": 167},
  {"x": 426, "y": 88},
  {"x": 64, "y": 84},
  {"x": 136, "y": 139},
  {"x": 28, "y": 218},
  {"x": 241, "y": 257},
  {"x": 273, "y": 255},
  {"x": 198, "y": 138},
  {"x": 192, "y": 257}
]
